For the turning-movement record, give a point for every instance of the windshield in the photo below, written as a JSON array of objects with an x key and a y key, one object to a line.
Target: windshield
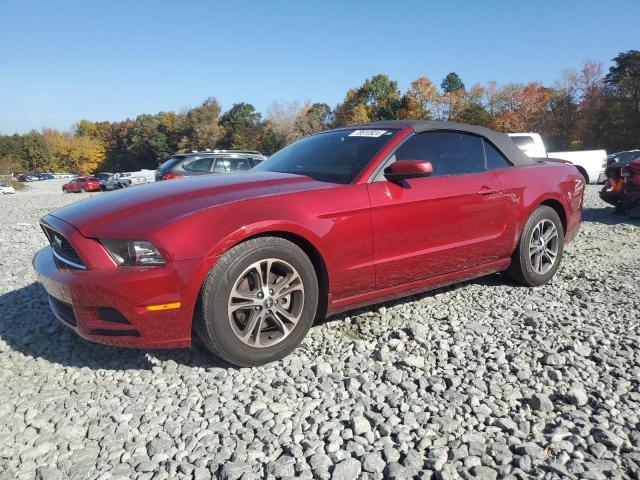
[{"x": 337, "y": 156}]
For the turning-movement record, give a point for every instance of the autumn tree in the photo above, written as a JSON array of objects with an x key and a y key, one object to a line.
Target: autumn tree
[
  {"x": 351, "y": 111},
  {"x": 314, "y": 118},
  {"x": 79, "y": 154},
  {"x": 521, "y": 108},
  {"x": 378, "y": 98},
  {"x": 201, "y": 126},
  {"x": 420, "y": 101}
]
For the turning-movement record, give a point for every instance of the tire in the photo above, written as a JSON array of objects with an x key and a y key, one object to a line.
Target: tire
[
  {"x": 234, "y": 294},
  {"x": 524, "y": 267},
  {"x": 83, "y": 190},
  {"x": 64, "y": 190}
]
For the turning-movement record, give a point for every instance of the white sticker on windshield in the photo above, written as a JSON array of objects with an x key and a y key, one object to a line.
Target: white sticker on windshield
[{"x": 367, "y": 133}]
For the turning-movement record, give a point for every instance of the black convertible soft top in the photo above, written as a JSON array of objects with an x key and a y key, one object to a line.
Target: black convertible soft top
[{"x": 500, "y": 140}]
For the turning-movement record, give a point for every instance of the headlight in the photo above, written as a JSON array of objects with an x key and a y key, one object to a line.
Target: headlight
[{"x": 133, "y": 252}]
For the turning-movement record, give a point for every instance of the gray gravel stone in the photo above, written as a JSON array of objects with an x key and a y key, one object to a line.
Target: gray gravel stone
[
  {"x": 484, "y": 473},
  {"x": 348, "y": 469},
  {"x": 578, "y": 396},
  {"x": 373, "y": 463},
  {"x": 541, "y": 403}
]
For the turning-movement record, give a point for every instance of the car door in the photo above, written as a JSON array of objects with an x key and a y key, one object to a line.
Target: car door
[{"x": 451, "y": 221}]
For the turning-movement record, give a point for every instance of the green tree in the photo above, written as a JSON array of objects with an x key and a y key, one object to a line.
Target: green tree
[
  {"x": 452, "y": 83},
  {"x": 624, "y": 77},
  {"x": 242, "y": 127},
  {"x": 37, "y": 153},
  {"x": 147, "y": 147},
  {"x": 271, "y": 141}
]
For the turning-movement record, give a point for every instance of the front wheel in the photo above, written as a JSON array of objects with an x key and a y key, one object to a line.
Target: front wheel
[
  {"x": 540, "y": 249},
  {"x": 258, "y": 302},
  {"x": 83, "y": 190}
]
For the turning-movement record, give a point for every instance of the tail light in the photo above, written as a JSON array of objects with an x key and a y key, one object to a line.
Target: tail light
[{"x": 171, "y": 176}]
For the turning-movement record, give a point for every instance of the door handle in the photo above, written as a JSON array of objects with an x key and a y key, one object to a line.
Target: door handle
[{"x": 487, "y": 191}]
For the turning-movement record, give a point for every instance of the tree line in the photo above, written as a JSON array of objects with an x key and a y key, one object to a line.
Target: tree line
[{"x": 585, "y": 108}]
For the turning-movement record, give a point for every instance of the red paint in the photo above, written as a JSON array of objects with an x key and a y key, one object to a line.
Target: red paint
[
  {"x": 79, "y": 184},
  {"x": 378, "y": 240}
]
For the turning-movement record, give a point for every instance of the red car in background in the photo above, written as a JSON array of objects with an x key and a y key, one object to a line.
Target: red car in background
[
  {"x": 334, "y": 221},
  {"x": 82, "y": 184}
]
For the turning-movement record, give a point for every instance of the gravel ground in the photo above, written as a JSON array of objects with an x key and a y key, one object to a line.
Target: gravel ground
[{"x": 482, "y": 380}]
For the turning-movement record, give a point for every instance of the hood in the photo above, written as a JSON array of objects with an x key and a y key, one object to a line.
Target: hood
[{"x": 160, "y": 203}]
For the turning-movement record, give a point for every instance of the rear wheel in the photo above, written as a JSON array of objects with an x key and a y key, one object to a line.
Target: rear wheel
[
  {"x": 540, "y": 249},
  {"x": 258, "y": 302},
  {"x": 83, "y": 190}
]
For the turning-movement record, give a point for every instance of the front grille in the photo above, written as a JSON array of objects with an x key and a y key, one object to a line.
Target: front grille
[
  {"x": 62, "y": 310},
  {"x": 66, "y": 256}
]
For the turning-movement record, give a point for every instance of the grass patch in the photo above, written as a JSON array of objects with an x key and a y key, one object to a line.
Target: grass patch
[{"x": 17, "y": 185}]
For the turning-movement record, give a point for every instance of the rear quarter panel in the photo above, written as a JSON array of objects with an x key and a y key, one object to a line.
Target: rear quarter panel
[{"x": 529, "y": 186}]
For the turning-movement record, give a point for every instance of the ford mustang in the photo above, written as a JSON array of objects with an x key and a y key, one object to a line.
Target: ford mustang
[{"x": 337, "y": 220}]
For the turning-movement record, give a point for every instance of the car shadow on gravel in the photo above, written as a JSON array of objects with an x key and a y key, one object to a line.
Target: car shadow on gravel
[
  {"x": 607, "y": 216},
  {"x": 28, "y": 326}
]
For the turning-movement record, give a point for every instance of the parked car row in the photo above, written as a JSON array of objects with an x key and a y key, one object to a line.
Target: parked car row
[{"x": 34, "y": 177}]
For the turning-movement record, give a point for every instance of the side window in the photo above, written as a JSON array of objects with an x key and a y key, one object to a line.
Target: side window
[
  {"x": 495, "y": 159},
  {"x": 220, "y": 166},
  {"x": 199, "y": 165},
  {"x": 450, "y": 153},
  {"x": 238, "y": 164}
]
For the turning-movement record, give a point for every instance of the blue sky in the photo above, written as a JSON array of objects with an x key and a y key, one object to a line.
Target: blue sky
[{"x": 67, "y": 60}]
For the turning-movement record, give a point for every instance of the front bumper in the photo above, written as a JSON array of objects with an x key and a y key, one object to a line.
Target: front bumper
[{"x": 109, "y": 305}]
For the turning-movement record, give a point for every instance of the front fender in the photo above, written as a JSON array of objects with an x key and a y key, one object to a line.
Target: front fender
[{"x": 264, "y": 227}]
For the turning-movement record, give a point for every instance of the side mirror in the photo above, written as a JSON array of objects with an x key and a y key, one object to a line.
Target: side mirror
[{"x": 406, "y": 169}]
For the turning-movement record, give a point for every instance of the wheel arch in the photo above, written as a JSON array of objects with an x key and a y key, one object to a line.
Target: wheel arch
[
  {"x": 559, "y": 209},
  {"x": 297, "y": 237},
  {"x": 583, "y": 172}
]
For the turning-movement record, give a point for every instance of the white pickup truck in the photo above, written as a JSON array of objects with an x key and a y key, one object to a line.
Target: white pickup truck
[
  {"x": 112, "y": 181},
  {"x": 590, "y": 163}
]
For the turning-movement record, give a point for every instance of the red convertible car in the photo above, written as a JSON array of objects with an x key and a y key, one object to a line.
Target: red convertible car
[{"x": 334, "y": 221}]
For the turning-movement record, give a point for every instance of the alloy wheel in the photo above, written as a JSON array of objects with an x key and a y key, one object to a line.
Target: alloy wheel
[
  {"x": 266, "y": 302},
  {"x": 543, "y": 246}
]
